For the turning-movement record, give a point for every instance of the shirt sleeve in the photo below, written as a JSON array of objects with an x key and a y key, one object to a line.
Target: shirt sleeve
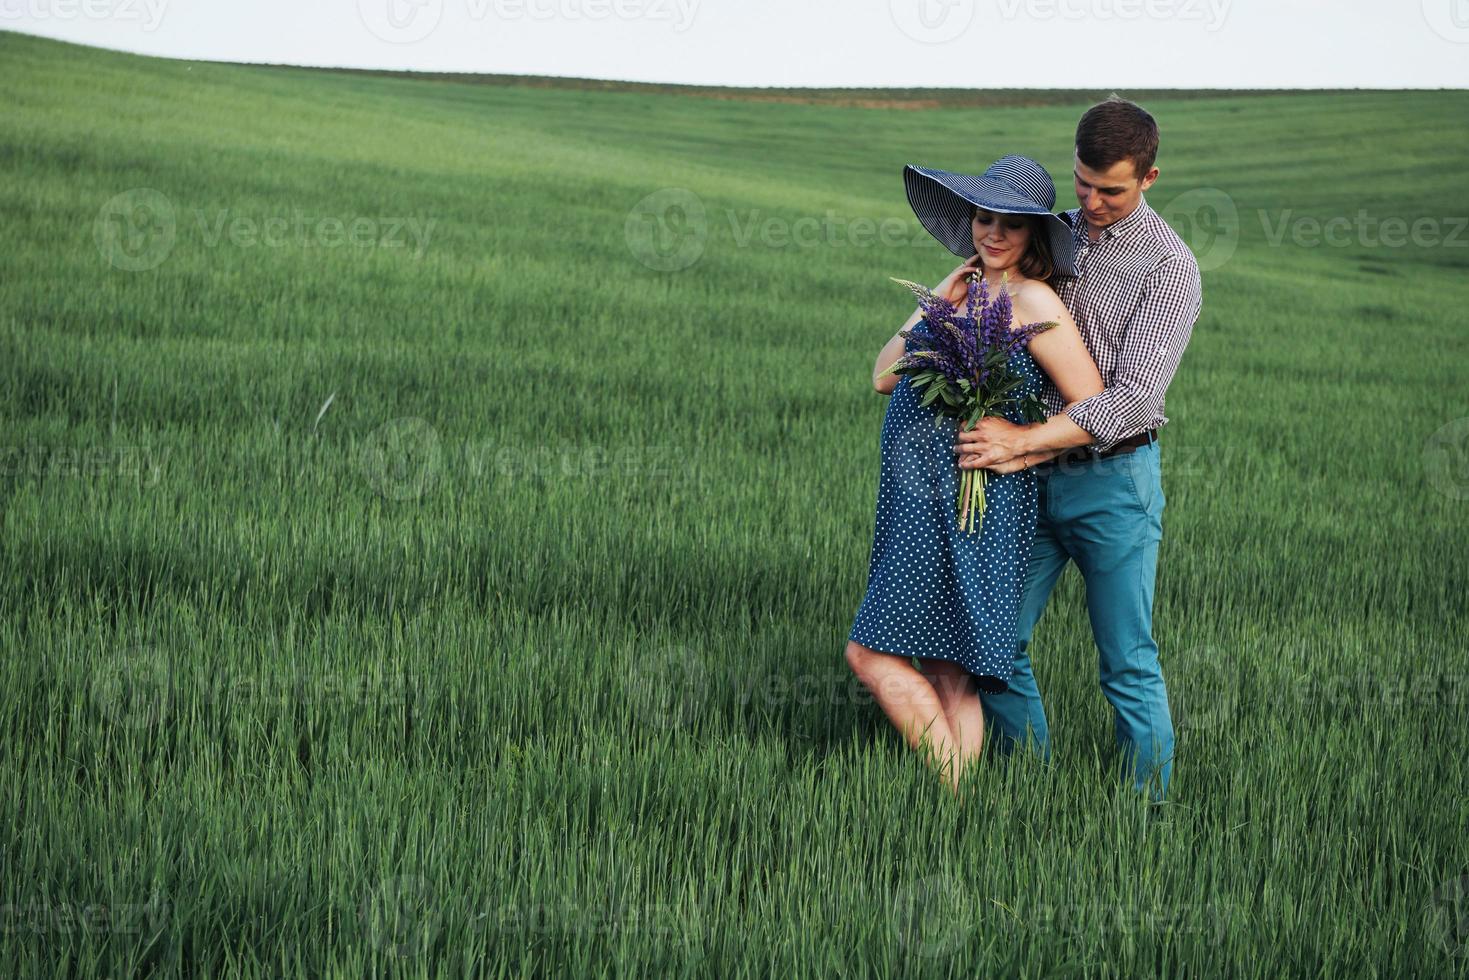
[{"x": 1152, "y": 345}]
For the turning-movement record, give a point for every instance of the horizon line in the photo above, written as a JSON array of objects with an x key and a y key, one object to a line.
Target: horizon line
[{"x": 585, "y": 81}]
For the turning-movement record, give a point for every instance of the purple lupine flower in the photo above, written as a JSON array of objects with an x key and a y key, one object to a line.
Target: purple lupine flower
[
  {"x": 959, "y": 345},
  {"x": 977, "y": 347},
  {"x": 978, "y": 298},
  {"x": 1021, "y": 336},
  {"x": 962, "y": 345},
  {"x": 945, "y": 337},
  {"x": 931, "y": 350},
  {"x": 934, "y": 307},
  {"x": 995, "y": 321}
]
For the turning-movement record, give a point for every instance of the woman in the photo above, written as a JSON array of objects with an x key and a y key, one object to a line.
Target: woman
[{"x": 936, "y": 594}]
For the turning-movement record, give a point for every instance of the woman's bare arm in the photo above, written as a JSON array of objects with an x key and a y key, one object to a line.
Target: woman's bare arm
[
  {"x": 1060, "y": 351},
  {"x": 954, "y": 288},
  {"x": 894, "y": 349}
]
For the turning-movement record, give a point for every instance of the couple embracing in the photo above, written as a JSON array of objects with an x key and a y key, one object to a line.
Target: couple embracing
[{"x": 942, "y": 637}]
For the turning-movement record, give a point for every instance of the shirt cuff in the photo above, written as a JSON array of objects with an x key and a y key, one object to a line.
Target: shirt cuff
[{"x": 1090, "y": 415}]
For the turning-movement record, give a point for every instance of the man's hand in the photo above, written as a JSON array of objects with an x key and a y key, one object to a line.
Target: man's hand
[{"x": 993, "y": 442}]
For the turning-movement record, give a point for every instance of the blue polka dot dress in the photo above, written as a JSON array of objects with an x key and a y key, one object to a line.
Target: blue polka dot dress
[{"x": 933, "y": 590}]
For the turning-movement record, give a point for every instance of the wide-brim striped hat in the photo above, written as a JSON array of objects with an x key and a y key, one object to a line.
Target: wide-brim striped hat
[{"x": 944, "y": 203}]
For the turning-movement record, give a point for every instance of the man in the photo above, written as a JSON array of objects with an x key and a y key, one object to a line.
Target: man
[{"x": 1135, "y": 299}]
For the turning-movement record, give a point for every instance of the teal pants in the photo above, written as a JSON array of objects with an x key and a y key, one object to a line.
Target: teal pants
[{"x": 1106, "y": 515}]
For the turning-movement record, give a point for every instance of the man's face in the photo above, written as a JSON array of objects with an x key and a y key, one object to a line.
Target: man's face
[{"x": 1106, "y": 195}]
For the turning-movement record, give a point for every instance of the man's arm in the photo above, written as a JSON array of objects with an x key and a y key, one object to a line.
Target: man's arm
[
  {"x": 1001, "y": 446},
  {"x": 1152, "y": 347},
  {"x": 1056, "y": 434}
]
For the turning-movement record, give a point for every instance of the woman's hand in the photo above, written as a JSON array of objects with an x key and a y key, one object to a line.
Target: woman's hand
[
  {"x": 955, "y": 287},
  {"x": 1024, "y": 462}
]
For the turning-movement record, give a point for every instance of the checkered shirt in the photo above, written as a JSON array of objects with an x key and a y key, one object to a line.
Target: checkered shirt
[{"x": 1135, "y": 299}]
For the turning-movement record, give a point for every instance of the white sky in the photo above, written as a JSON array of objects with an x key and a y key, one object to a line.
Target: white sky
[{"x": 1095, "y": 44}]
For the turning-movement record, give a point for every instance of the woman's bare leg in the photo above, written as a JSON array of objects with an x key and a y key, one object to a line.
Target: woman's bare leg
[
  {"x": 911, "y": 704},
  {"x": 963, "y": 709}
]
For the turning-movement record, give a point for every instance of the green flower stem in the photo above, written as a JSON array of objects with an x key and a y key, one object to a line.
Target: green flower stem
[
  {"x": 971, "y": 490},
  {"x": 962, "y": 510},
  {"x": 971, "y": 498}
]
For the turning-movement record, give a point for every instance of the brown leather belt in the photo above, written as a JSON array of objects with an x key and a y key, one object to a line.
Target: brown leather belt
[{"x": 1081, "y": 454}]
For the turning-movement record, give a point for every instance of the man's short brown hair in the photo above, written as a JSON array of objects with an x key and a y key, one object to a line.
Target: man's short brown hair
[{"x": 1117, "y": 130}]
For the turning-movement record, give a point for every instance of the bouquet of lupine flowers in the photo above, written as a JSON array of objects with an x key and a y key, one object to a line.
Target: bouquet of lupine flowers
[{"x": 961, "y": 365}]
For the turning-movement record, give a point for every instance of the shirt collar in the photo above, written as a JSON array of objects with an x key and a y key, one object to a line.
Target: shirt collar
[{"x": 1118, "y": 228}]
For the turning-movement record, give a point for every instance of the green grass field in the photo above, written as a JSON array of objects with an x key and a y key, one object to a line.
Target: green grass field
[{"x": 524, "y": 656}]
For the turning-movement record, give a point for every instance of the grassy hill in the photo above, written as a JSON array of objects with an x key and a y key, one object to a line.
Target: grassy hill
[{"x": 434, "y": 511}]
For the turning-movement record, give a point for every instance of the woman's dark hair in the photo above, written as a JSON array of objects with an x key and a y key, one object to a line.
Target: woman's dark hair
[
  {"x": 1117, "y": 130},
  {"x": 1038, "y": 262}
]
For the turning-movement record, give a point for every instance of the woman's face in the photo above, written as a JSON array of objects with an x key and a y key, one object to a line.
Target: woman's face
[{"x": 1000, "y": 239}]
